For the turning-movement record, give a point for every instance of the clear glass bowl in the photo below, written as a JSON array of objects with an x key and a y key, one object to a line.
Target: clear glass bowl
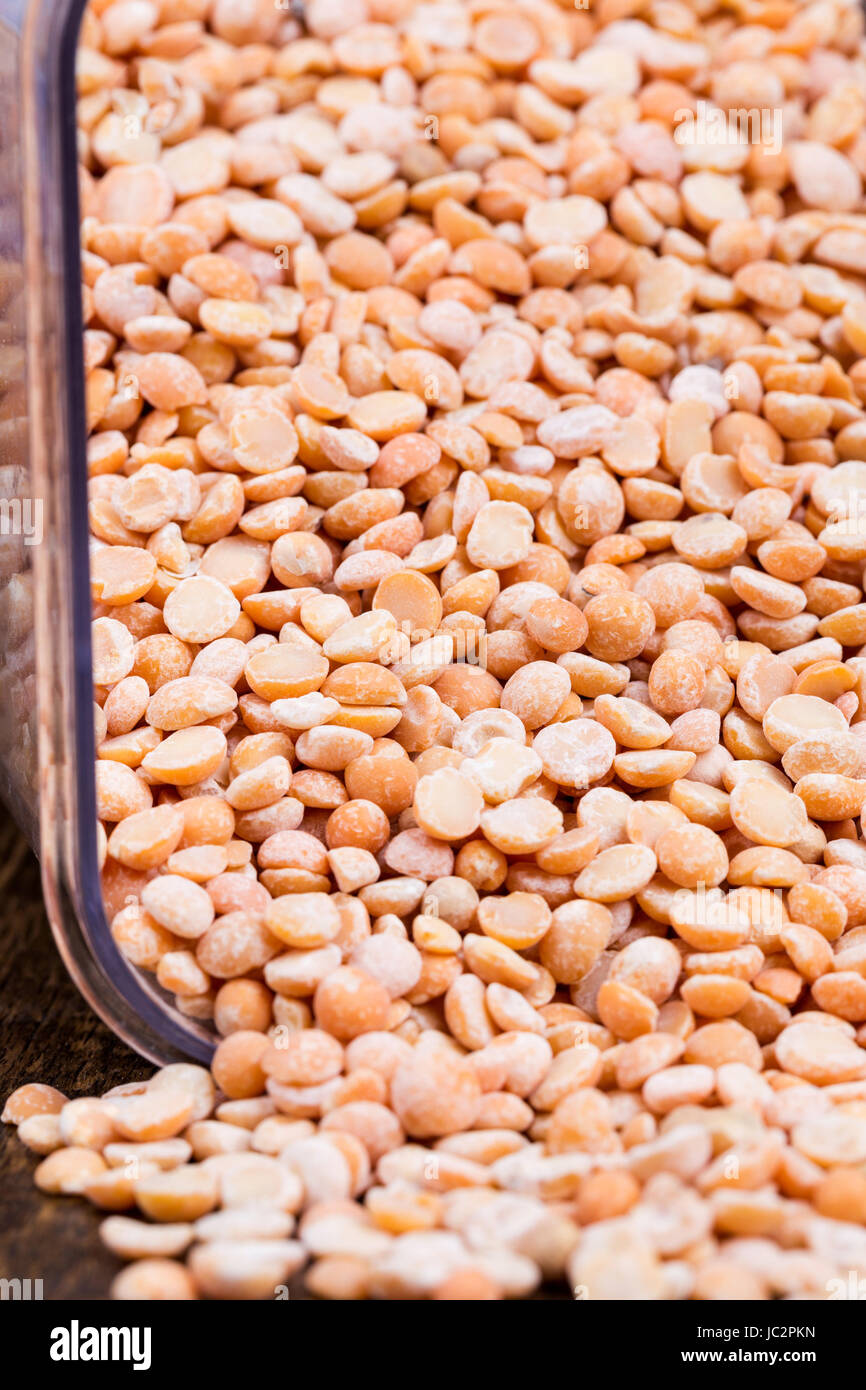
[{"x": 46, "y": 702}]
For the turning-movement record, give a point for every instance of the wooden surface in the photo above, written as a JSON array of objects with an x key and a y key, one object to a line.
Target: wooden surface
[{"x": 47, "y": 1033}]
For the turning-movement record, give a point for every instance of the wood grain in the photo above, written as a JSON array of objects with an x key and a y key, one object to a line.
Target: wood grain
[{"x": 47, "y": 1033}]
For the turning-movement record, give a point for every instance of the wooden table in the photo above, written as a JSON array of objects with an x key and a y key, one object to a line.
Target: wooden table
[{"x": 47, "y": 1033}]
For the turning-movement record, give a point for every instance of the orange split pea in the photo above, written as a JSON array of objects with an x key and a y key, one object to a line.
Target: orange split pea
[{"x": 476, "y": 489}]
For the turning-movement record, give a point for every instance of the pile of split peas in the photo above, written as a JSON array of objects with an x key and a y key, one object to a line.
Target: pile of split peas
[{"x": 477, "y": 487}]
